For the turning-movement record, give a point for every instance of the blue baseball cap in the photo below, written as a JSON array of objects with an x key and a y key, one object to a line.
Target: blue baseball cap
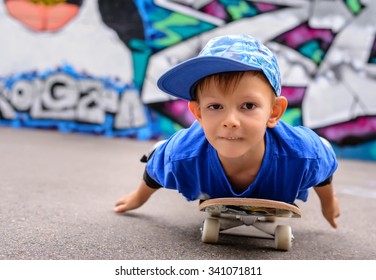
[{"x": 221, "y": 54}]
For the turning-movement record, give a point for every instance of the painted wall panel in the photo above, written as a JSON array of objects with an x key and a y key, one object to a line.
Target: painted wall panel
[{"x": 90, "y": 66}]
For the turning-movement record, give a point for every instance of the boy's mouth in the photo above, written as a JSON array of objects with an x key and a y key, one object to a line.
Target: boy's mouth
[{"x": 230, "y": 138}]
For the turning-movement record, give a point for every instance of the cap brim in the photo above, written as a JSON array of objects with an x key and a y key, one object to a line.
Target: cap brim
[{"x": 179, "y": 80}]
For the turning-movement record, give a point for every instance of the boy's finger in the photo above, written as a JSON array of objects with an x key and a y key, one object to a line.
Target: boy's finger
[
  {"x": 120, "y": 201},
  {"x": 333, "y": 223},
  {"x": 119, "y": 209}
]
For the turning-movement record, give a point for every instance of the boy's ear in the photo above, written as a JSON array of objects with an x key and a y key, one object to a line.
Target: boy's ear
[
  {"x": 278, "y": 110},
  {"x": 195, "y": 109}
]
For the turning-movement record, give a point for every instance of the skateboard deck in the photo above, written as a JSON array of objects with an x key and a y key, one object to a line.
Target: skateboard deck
[
  {"x": 250, "y": 206},
  {"x": 227, "y": 213}
]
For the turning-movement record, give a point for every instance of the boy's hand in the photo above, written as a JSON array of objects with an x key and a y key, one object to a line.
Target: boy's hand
[
  {"x": 135, "y": 199},
  {"x": 331, "y": 212},
  {"x": 329, "y": 204},
  {"x": 128, "y": 202}
]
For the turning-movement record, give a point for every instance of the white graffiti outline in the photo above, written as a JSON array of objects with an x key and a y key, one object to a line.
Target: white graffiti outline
[{"x": 61, "y": 97}]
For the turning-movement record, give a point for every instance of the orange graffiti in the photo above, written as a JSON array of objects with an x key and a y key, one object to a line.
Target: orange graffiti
[{"x": 41, "y": 16}]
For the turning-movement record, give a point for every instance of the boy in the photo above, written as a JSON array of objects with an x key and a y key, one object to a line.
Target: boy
[{"x": 238, "y": 147}]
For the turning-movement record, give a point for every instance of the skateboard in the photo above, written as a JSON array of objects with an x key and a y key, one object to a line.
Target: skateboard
[{"x": 227, "y": 213}]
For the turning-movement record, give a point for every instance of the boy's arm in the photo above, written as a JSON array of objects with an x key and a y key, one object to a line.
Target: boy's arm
[
  {"x": 135, "y": 199},
  {"x": 329, "y": 203}
]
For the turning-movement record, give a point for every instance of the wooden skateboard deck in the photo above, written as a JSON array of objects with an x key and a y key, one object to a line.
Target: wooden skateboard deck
[{"x": 250, "y": 206}]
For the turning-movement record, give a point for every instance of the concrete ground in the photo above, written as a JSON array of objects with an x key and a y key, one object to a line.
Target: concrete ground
[{"x": 57, "y": 193}]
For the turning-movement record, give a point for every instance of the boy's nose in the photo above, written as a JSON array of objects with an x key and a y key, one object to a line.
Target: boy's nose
[{"x": 231, "y": 120}]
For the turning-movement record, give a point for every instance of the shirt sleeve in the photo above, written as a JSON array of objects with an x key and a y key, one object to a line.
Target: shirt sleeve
[
  {"x": 156, "y": 167},
  {"x": 325, "y": 164},
  {"x": 168, "y": 168},
  {"x": 150, "y": 182}
]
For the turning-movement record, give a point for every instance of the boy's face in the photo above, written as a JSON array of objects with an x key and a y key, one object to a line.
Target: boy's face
[{"x": 235, "y": 121}]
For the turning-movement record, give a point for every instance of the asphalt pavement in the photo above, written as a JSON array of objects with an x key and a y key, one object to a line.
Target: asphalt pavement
[{"x": 57, "y": 193}]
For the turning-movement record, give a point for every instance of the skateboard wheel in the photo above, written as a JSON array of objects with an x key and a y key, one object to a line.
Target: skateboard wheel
[
  {"x": 283, "y": 237},
  {"x": 210, "y": 231}
]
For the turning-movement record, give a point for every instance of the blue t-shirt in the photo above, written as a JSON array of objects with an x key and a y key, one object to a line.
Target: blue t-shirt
[{"x": 295, "y": 159}]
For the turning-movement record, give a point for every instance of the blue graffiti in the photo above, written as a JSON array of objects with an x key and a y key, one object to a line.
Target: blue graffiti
[{"x": 74, "y": 102}]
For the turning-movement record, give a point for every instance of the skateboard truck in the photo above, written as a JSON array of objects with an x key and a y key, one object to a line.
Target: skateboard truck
[{"x": 229, "y": 213}]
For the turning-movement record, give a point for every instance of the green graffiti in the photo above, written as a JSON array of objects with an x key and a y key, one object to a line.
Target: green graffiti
[
  {"x": 354, "y": 6},
  {"x": 166, "y": 126},
  {"x": 293, "y": 116},
  {"x": 239, "y": 9},
  {"x": 140, "y": 55},
  {"x": 313, "y": 51},
  {"x": 364, "y": 151},
  {"x": 177, "y": 27}
]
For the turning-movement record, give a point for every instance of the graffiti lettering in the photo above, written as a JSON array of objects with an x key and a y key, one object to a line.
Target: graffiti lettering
[
  {"x": 129, "y": 115},
  {"x": 64, "y": 98}
]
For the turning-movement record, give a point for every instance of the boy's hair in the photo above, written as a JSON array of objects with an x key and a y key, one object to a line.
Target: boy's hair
[
  {"x": 231, "y": 53},
  {"x": 225, "y": 81}
]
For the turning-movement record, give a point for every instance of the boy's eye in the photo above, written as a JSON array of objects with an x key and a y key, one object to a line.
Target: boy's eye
[
  {"x": 248, "y": 106},
  {"x": 215, "y": 107}
]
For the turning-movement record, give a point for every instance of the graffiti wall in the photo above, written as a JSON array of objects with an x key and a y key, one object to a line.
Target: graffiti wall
[{"x": 90, "y": 66}]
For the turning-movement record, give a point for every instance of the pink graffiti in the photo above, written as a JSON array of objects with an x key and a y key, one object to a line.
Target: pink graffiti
[
  {"x": 215, "y": 9},
  {"x": 179, "y": 109},
  {"x": 294, "y": 95},
  {"x": 265, "y": 7},
  {"x": 363, "y": 127},
  {"x": 303, "y": 33}
]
